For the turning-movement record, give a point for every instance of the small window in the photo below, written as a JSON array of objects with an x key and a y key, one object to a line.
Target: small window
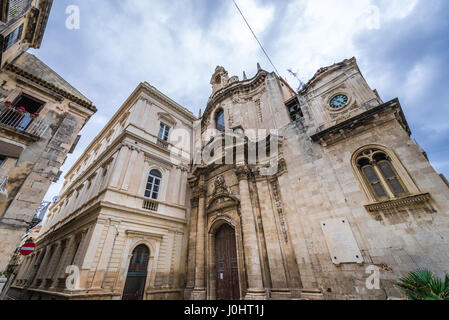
[
  {"x": 380, "y": 175},
  {"x": 294, "y": 109},
  {"x": 164, "y": 132},
  {"x": 2, "y": 160},
  {"x": 220, "y": 121},
  {"x": 12, "y": 38},
  {"x": 153, "y": 185}
]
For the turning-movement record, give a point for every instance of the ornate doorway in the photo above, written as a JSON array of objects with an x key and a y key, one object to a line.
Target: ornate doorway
[
  {"x": 227, "y": 275},
  {"x": 137, "y": 274}
]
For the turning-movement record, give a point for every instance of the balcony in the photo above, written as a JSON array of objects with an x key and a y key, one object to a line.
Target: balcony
[
  {"x": 22, "y": 122},
  {"x": 162, "y": 143},
  {"x": 150, "y": 205}
]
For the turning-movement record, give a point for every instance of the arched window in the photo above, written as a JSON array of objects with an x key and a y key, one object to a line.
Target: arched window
[
  {"x": 137, "y": 274},
  {"x": 153, "y": 185},
  {"x": 220, "y": 121},
  {"x": 380, "y": 175}
]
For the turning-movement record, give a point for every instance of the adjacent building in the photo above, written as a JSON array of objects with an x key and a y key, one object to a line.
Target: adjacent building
[
  {"x": 337, "y": 191},
  {"x": 22, "y": 26},
  {"x": 125, "y": 199},
  {"x": 41, "y": 116}
]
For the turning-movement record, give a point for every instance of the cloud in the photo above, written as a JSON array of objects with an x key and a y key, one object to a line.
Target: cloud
[{"x": 401, "y": 47}]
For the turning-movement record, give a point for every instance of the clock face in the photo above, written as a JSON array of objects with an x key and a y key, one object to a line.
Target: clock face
[{"x": 339, "y": 101}]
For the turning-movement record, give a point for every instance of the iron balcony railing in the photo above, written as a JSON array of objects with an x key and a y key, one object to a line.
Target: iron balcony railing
[
  {"x": 24, "y": 122},
  {"x": 17, "y": 8}
]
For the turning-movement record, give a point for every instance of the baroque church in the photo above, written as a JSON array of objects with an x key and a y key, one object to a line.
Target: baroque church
[{"x": 142, "y": 217}]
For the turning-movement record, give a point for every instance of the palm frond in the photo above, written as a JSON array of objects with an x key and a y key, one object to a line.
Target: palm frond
[{"x": 423, "y": 285}]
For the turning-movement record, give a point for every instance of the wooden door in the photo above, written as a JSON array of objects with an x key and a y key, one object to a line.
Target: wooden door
[
  {"x": 227, "y": 275},
  {"x": 137, "y": 274}
]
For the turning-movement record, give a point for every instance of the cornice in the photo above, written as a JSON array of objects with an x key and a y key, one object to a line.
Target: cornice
[
  {"x": 155, "y": 92},
  {"x": 322, "y": 72},
  {"x": 405, "y": 202},
  {"x": 87, "y": 104},
  {"x": 361, "y": 119},
  {"x": 230, "y": 89}
]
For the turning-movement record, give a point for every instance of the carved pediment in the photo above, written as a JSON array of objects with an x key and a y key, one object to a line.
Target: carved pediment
[
  {"x": 167, "y": 118},
  {"x": 222, "y": 197},
  {"x": 222, "y": 202}
]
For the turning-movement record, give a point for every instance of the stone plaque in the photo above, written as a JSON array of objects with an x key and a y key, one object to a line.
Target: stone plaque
[{"x": 341, "y": 242}]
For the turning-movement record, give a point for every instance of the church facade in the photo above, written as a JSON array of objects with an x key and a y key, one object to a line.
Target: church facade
[{"x": 271, "y": 194}]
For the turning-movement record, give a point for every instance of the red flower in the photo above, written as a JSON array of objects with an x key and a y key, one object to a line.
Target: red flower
[{"x": 21, "y": 110}]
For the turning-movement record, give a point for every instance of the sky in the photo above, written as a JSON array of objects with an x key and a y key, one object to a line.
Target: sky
[{"x": 402, "y": 48}]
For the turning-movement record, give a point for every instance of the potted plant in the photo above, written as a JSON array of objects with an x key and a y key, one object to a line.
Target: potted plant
[
  {"x": 21, "y": 110},
  {"x": 34, "y": 115}
]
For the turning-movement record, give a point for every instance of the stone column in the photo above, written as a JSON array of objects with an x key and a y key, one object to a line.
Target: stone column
[
  {"x": 35, "y": 267},
  {"x": 30, "y": 268},
  {"x": 282, "y": 205},
  {"x": 22, "y": 273},
  {"x": 3, "y": 281},
  {"x": 105, "y": 256},
  {"x": 137, "y": 111},
  {"x": 119, "y": 166},
  {"x": 93, "y": 239},
  {"x": 130, "y": 169},
  {"x": 80, "y": 200},
  {"x": 82, "y": 244},
  {"x": 199, "y": 293},
  {"x": 61, "y": 266},
  {"x": 255, "y": 290},
  {"x": 53, "y": 264},
  {"x": 95, "y": 190},
  {"x": 71, "y": 205},
  {"x": 43, "y": 266},
  {"x": 192, "y": 247},
  {"x": 138, "y": 174},
  {"x": 87, "y": 191},
  {"x": 182, "y": 195}
]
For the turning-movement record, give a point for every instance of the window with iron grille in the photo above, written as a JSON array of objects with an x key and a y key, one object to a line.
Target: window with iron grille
[
  {"x": 17, "y": 8},
  {"x": 2, "y": 160},
  {"x": 12, "y": 38}
]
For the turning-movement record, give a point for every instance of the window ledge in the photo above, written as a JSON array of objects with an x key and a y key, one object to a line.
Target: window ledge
[{"x": 404, "y": 202}]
